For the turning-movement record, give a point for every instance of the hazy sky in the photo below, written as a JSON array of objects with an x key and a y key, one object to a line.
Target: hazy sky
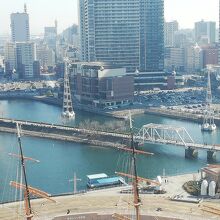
[{"x": 44, "y": 12}]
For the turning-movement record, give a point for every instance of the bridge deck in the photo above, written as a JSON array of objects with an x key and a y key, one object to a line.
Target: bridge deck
[
  {"x": 180, "y": 144},
  {"x": 104, "y": 133}
]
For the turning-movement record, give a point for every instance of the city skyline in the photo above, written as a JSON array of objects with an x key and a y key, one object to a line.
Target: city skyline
[{"x": 186, "y": 13}]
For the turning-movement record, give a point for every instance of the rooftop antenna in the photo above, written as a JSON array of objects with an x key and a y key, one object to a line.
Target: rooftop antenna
[{"x": 25, "y": 8}]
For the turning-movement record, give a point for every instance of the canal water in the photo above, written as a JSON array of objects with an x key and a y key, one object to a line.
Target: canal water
[{"x": 59, "y": 160}]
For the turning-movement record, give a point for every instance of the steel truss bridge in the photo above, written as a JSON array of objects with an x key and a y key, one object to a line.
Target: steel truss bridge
[
  {"x": 149, "y": 133},
  {"x": 169, "y": 134}
]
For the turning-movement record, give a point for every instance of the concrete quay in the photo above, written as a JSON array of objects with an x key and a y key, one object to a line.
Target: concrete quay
[
  {"x": 178, "y": 115},
  {"x": 105, "y": 202}
]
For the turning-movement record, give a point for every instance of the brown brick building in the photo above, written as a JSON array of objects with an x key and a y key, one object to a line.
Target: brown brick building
[{"x": 100, "y": 85}]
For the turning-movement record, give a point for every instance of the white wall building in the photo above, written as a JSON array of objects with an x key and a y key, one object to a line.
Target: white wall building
[
  {"x": 174, "y": 59},
  {"x": 20, "y": 31},
  {"x": 205, "y": 32},
  {"x": 10, "y": 56},
  {"x": 169, "y": 30},
  {"x": 46, "y": 56},
  {"x": 194, "y": 59},
  {"x": 50, "y": 36}
]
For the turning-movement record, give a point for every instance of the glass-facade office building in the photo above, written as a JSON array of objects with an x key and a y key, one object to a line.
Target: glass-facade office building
[{"x": 125, "y": 33}]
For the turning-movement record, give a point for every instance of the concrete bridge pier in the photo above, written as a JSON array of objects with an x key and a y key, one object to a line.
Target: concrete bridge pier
[
  {"x": 191, "y": 153},
  {"x": 211, "y": 155}
]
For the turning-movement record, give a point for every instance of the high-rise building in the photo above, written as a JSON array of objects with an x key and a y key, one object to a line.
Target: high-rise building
[
  {"x": 205, "y": 32},
  {"x": 184, "y": 38},
  {"x": 45, "y": 56},
  {"x": 219, "y": 35},
  {"x": 36, "y": 69},
  {"x": 50, "y": 36},
  {"x": 71, "y": 35},
  {"x": 193, "y": 59},
  {"x": 174, "y": 59},
  {"x": 26, "y": 55},
  {"x": 20, "y": 31},
  {"x": 125, "y": 33},
  {"x": 151, "y": 35},
  {"x": 210, "y": 55},
  {"x": 10, "y": 57},
  {"x": 169, "y": 33}
]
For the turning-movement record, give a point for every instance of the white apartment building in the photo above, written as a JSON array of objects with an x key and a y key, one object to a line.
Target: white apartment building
[
  {"x": 194, "y": 59},
  {"x": 20, "y": 30},
  {"x": 46, "y": 56},
  {"x": 10, "y": 56},
  {"x": 169, "y": 32},
  {"x": 174, "y": 59}
]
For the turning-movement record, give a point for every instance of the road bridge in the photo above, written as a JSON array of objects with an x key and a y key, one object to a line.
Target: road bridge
[
  {"x": 173, "y": 135},
  {"x": 149, "y": 133}
]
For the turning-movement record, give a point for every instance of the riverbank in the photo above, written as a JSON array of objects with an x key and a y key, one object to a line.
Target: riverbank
[
  {"x": 108, "y": 202},
  {"x": 178, "y": 113}
]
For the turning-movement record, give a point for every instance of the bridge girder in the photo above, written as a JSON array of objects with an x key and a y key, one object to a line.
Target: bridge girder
[{"x": 162, "y": 133}]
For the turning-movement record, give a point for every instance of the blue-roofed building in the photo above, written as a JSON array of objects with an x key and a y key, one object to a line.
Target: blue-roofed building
[{"x": 103, "y": 180}]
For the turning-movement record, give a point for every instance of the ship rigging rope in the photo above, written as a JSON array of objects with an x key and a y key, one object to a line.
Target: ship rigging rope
[
  {"x": 21, "y": 192},
  {"x": 125, "y": 202},
  {"x": 7, "y": 190},
  {"x": 17, "y": 176}
]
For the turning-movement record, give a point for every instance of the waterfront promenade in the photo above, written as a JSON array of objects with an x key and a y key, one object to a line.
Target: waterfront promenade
[{"x": 107, "y": 201}]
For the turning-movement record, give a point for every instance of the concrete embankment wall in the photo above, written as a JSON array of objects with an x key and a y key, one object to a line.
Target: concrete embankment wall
[
  {"x": 177, "y": 115},
  {"x": 64, "y": 133}
]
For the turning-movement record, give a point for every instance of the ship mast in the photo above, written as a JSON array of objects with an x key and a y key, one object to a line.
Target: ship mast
[
  {"x": 67, "y": 99},
  {"x": 135, "y": 178},
  {"x": 209, "y": 100},
  {"x": 208, "y": 120},
  {"x": 137, "y": 201},
  {"x": 26, "y": 191}
]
